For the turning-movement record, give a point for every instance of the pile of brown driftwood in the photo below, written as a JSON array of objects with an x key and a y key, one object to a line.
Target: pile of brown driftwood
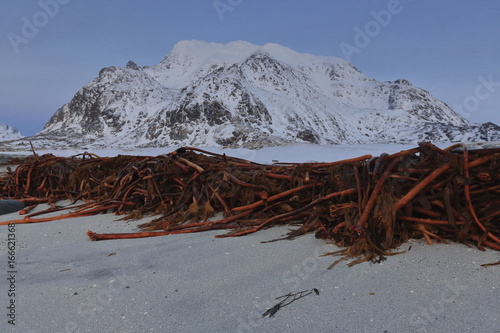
[{"x": 368, "y": 205}]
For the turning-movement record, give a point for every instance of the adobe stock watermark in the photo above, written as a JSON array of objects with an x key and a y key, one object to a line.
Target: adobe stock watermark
[
  {"x": 363, "y": 36},
  {"x": 11, "y": 274},
  {"x": 291, "y": 280},
  {"x": 482, "y": 92},
  {"x": 425, "y": 315},
  {"x": 223, "y": 6},
  {"x": 32, "y": 25},
  {"x": 90, "y": 307}
]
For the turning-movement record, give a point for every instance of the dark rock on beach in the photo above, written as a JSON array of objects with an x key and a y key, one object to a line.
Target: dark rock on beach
[{"x": 10, "y": 206}]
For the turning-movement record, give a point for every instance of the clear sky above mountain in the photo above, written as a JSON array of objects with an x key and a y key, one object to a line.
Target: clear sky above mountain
[{"x": 51, "y": 48}]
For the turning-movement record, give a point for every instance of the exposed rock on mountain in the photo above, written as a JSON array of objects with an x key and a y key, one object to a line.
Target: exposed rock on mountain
[{"x": 243, "y": 95}]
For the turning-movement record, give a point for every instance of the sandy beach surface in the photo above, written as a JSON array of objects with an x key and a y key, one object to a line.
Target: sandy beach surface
[
  {"x": 60, "y": 281},
  {"x": 197, "y": 283}
]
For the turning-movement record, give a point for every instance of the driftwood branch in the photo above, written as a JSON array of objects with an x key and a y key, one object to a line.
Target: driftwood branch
[
  {"x": 369, "y": 205},
  {"x": 287, "y": 300}
]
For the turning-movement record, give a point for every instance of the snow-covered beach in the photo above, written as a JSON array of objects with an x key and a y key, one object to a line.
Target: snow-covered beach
[{"x": 63, "y": 282}]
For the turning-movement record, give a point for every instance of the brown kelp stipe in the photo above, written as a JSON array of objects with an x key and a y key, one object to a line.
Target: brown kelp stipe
[{"x": 369, "y": 205}]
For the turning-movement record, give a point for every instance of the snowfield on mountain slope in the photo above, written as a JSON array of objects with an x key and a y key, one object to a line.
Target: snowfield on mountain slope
[{"x": 244, "y": 95}]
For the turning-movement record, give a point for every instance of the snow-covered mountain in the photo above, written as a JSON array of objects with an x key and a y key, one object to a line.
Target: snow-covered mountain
[
  {"x": 8, "y": 133},
  {"x": 240, "y": 94}
]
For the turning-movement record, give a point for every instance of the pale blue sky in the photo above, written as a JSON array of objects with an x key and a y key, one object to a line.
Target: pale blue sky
[{"x": 450, "y": 48}]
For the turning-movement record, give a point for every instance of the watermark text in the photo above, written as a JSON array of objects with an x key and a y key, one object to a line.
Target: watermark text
[
  {"x": 363, "y": 36},
  {"x": 11, "y": 274},
  {"x": 223, "y": 6},
  {"x": 31, "y": 25},
  {"x": 482, "y": 92}
]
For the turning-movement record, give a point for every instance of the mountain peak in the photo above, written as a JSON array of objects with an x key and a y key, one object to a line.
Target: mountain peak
[
  {"x": 132, "y": 65},
  {"x": 240, "y": 94},
  {"x": 8, "y": 133},
  {"x": 209, "y": 52},
  {"x": 238, "y": 51}
]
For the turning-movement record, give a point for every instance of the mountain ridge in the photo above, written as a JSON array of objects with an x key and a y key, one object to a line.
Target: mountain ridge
[{"x": 244, "y": 95}]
